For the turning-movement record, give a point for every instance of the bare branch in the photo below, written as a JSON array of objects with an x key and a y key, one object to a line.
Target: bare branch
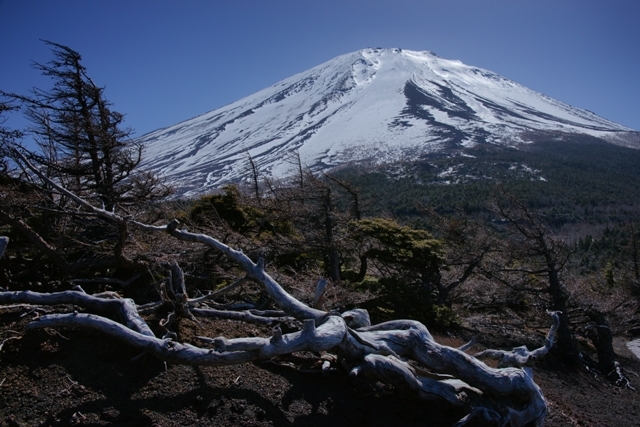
[
  {"x": 194, "y": 301},
  {"x": 123, "y": 308},
  {"x": 521, "y": 356},
  {"x": 254, "y": 271}
]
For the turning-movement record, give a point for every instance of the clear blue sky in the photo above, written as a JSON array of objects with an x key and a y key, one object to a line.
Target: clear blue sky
[{"x": 166, "y": 61}]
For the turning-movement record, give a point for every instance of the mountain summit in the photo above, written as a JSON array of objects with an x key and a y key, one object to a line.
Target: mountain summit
[{"x": 376, "y": 105}]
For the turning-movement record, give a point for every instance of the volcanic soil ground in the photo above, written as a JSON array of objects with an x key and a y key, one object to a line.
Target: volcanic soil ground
[{"x": 73, "y": 377}]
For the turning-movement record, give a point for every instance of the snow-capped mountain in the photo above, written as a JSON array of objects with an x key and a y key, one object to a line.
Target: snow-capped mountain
[{"x": 376, "y": 105}]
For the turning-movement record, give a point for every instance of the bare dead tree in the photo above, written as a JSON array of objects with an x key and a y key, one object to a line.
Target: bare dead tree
[
  {"x": 82, "y": 144},
  {"x": 118, "y": 256},
  {"x": 353, "y": 191},
  {"x": 253, "y": 168},
  {"x": 467, "y": 244},
  {"x": 311, "y": 205},
  {"x": 356, "y": 214},
  {"x": 83, "y": 140},
  {"x": 534, "y": 252}
]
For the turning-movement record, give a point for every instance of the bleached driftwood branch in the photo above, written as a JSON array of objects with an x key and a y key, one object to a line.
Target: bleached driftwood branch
[
  {"x": 254, "y": 271},
  {"x": 318, "y": 296},
  {"x": 521, "y": 356},
  {"x": 225, "y": 351},
  {"x": 123, "y": 309}
]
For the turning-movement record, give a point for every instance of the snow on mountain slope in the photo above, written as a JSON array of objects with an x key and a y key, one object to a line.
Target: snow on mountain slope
[{"x": 378, "y": 105}]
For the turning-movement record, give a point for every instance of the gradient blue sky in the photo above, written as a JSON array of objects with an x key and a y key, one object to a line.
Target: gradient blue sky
[{"x": 166, "y": 61}]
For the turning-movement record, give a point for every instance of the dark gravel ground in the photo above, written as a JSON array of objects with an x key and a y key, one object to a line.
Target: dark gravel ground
[{"x": 70, "y": 377}]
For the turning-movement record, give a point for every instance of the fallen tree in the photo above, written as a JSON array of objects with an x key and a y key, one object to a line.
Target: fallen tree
[{"x": 401, "y": 352}]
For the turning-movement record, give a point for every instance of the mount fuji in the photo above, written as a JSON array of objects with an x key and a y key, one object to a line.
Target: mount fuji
[{"x": 373, "y": 105}]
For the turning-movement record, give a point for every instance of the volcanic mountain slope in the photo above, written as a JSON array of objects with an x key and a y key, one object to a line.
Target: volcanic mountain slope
[{"x": 376, "y": 105}]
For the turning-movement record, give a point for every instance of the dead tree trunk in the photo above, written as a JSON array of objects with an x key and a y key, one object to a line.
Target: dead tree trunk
[
  {"x": 566, "y": 348},
  {"x": 599, "y": 332},
  {"x": 549, "y": 259},
  {"x": 333, "y": 257}
]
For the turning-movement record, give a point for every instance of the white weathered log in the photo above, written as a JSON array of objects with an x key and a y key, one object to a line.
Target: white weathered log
[
  {"x": 391, "y": 370},
  {"x": 226, "y": 351},
  {"x": 373, "y": 350},
  {"x": 325, "y": 337},
  {"x": 509, "y": 392},
  {"x": 399, "y": 325},
  {"x": 357, "y": 318},
  {"x": 318, "y": 296},
  {"x": 500, "y": 387},
  {"x": 521, "y": 356},
  {"x": 123, "y": 308}
]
